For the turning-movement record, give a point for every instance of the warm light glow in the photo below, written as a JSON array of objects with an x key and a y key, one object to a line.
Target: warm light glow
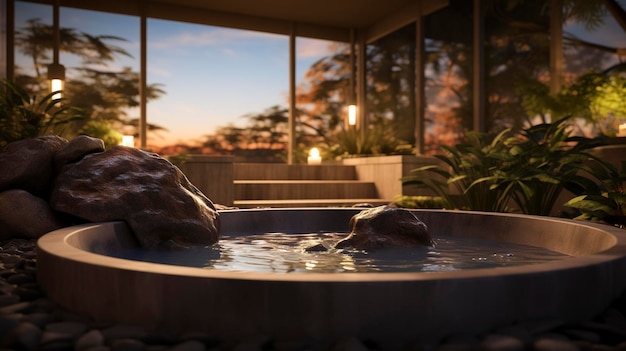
[
  {"x": 128, "y": 140},
  {"x": 56, "y": 85},
  {"x": 622, "y": 130},
  {"x": 56, "y": 76},
  {"x": 352, "y": 115},
  {"x": 314, "y": 157}
]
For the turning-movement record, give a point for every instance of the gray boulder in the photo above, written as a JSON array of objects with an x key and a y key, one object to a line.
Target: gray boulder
[{"x": 153, "y": 196}]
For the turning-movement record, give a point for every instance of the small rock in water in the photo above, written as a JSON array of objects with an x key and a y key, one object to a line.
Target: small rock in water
[{"x": 385, "y": 226}]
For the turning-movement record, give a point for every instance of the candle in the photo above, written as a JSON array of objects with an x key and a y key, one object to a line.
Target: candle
[
  {"x": 622, "y": 130},
  {"x": 314, "y": 157},
  {"x": 128, "y": 140}
]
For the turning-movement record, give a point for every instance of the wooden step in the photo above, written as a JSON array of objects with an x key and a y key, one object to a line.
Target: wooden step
[
  {"x": 310, "y": 203},
  {"x": 279, "y": 171},
  {"x": 303, "y": 189}
]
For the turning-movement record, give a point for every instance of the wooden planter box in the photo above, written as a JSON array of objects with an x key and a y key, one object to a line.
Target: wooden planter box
[
  {"x": 213, "y": 175},
  {"x": 386, "y": 172}
]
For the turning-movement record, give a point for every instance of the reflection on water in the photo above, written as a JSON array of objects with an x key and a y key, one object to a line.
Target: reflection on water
[{"x": 285, "y": 253}]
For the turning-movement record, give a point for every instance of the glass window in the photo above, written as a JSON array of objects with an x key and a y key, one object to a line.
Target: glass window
[
  {"x": 517, "y": 61},
  {"x": 3, "y": 39},
  {"x": 593, "y": 54},
  {"x": 448, "y": 73},
  {"x": 214, "y": 80},
  {"x": 100, "y": 54},
  {"x": 32, "y": 52},
  {"x": 390, "y": 71},
  {"x": 593, "y": 45},
  {"x": 323, "y": 91}
]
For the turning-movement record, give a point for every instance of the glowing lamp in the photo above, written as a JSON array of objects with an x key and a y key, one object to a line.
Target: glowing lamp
[
  {"x": 352, "y": 115},
  {"x": 128, "y": 140},
  {"x": 622, "y": 130},
  {"x": 314, "y": 157},
  {"x": 56, "y": 76}
]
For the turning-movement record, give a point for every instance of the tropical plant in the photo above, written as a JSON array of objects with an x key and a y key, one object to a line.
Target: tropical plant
[
  {"x": 378, "y": 138},
  {"x": 543, "y": 161},
  {"x": 179, "y": 159},
  {"x": 460, "y": 177},
  {"x": 102, "y": 130},
  {"x": 525, "y": 172},
  {"x": 608, "y": 205},
  {"x": 420, "y": 201},
  {"x": 24, "y": 116},
  {"x": 598, "y": 97}
]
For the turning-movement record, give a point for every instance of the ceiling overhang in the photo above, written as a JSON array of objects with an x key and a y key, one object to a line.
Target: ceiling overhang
[{"x": 323, "y": 19}]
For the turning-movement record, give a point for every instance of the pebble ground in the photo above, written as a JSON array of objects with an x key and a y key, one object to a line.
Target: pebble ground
[{"x": 30, "y": 321}]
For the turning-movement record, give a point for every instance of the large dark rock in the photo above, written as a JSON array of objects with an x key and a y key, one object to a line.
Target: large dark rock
[
  {"x": 25, "y": 215},
  {"x": 385, "y": 226},
  {"x": 76, "y": 149},
  {"x": 28, "y": 164},
  {"x": 153, "y": 196}
]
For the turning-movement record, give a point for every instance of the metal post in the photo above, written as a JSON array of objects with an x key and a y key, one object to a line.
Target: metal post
[
  {"x": 143, "y": 86},
  {"x": 56, "y": 32},
  {"x": 292, "y": 94},
  {"x": 9, "y": 20},
  {"x": 556, "y": 45},
  {"x": 420, "y": 85},
  {"x": 479, "y": 68},
  {"x": 351, "y": 97},
  {"x": 361, "y": 83}
]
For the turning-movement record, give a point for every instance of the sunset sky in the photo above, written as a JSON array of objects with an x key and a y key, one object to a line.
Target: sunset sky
[{"x": 212, "y": 75}]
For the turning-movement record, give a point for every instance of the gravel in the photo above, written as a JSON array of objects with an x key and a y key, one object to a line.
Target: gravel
[{"x": 30, "y": 321}]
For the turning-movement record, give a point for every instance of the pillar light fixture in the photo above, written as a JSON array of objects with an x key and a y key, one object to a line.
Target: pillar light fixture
[
  {"x": 56, "y": 77},
  {"x": 56, "y": 71},
  {"x": 352, "y": 111},
  {"x": 352, "y": 114}
]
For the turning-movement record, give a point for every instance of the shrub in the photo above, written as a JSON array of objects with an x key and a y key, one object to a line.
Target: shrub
[
  {"x": 463, "y": 171},
  {"x": 408, "y": 201},
  {"x": 526, "y": 172},
  {"x": 608, "y": 205}
]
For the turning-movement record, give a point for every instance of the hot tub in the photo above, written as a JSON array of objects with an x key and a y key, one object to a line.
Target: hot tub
[{"x": 76, "y": 271}]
